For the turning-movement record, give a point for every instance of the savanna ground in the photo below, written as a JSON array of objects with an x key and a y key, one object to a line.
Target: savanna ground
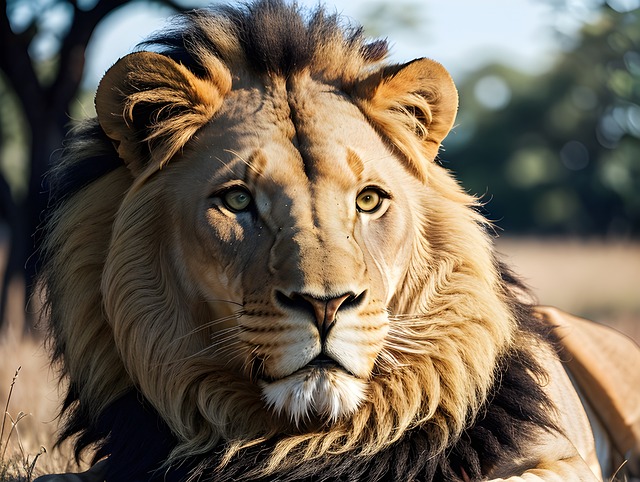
[{"x": 594, "y": 279}]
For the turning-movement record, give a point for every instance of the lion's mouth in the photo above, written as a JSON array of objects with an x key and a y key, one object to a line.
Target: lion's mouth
[
  {"x": 319, "y": 364},
  {"x": 324, "y": 361}
]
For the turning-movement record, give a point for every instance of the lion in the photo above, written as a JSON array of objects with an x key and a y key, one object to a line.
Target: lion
[{"x": 256, "y": 268}]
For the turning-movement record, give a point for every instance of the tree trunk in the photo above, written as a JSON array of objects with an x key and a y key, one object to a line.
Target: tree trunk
[{"x": 46, "y": 108}]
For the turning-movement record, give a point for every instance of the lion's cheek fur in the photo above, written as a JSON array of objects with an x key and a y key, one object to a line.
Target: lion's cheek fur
[
  {"x": 387, "y": 256},
  {"x": 155, "y": 326}
]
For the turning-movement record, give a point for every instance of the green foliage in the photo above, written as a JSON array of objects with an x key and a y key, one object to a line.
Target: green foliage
[
  {"x": 558, "y": 153},
  {"x": 13, "y": 142}
]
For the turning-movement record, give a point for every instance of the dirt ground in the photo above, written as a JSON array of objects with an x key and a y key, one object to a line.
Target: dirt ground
[
  {"x": 591, "y": 278},
  {"x": 594, "y": 279}
]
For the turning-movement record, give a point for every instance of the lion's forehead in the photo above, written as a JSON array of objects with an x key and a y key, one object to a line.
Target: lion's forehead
[{"x": 288, "y": 138}]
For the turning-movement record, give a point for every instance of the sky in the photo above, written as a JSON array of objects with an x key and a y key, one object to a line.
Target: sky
[{"x": 460, "y": 34}]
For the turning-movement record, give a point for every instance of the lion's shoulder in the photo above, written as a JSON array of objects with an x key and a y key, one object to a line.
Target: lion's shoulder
[{"x": 605, "y": 369}]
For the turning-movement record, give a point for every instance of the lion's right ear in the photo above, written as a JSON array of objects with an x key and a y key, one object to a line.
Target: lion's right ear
[
  {"x": 150, "y": 106},
  {"x": 414, "y": 104}
]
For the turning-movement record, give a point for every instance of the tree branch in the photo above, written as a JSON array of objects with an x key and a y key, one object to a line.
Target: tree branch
[{"x": 72, "y": 53}]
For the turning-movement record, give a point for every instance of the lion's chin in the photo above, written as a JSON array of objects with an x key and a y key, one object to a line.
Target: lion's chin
[{"x": 325, "y": 393}]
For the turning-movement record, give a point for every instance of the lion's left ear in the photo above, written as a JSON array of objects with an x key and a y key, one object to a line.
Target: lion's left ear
[
  {"x": 151, "y": 105},
  {"x": 410, "y": 103}
]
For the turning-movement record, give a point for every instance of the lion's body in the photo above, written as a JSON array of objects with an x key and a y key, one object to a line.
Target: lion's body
[{"x": 255, "y": 257}]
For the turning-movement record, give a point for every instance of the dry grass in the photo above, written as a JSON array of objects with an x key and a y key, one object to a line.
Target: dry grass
[
  {"x": 597, "y": 280},
  {"x": 31, "y": 399},
  {"x": 591, "y": 278},
  {"x": 25, "y": 463}
]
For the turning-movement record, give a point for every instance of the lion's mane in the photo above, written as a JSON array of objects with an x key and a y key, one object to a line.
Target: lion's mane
[{"x": 460, "y": 341}]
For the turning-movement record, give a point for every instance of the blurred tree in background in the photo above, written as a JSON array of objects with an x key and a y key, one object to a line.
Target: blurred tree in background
[
  {"x": 42, "y": 58},
  {"x": 558, "y": 153}
]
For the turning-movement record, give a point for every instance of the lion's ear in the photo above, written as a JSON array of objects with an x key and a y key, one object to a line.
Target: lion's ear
[
  {"x": 409, "y": 102},
  {"x": 150, "y": 106}
]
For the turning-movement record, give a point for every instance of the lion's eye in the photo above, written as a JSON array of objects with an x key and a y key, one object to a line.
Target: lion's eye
[
  {"x": 370, "y": 200},
  {"x": 236, "y": 199}
]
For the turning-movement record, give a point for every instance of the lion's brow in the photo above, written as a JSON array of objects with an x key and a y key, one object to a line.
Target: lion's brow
[{"x": 355, "y": 163}]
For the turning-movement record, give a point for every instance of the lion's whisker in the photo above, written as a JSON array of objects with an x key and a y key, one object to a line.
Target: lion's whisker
[
  {"x": 226, "y": 342},
  {"x": 207, "y": 325},
  {"x": 388, "y": 360},
  {"x": 244, "y": 161},
  {"x": 231, "y": 349},
  {"x": 401, "y": 344},
  {"x": 225, "y": 164},
  {"x": 222, "y": 319},
  {"x": 221, "y": 300}
]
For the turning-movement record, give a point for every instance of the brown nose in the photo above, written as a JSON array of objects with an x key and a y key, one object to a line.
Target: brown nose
[{"x": 324, "y": 310}]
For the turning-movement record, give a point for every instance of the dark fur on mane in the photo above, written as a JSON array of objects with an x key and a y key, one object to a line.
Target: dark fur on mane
[
  {"x": 516, "y": 406},
  {"x": 276, "y": 37},
  {"x": 63, "y": 181}
]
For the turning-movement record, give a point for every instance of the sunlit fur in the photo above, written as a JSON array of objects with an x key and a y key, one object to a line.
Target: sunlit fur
[{"x": 126, "y": 279}]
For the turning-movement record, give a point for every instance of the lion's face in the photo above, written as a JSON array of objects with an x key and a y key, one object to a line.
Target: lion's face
[{"x": 302, "y": 226}]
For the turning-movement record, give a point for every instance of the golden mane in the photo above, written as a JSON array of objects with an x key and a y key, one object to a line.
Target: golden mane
[{"x": 122, "y": 311}]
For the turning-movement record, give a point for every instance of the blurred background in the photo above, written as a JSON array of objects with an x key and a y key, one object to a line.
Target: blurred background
[{"x": 548, "y": 132}]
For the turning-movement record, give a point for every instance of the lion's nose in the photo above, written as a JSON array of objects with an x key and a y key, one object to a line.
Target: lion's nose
[{"x": 324, "y": 310}]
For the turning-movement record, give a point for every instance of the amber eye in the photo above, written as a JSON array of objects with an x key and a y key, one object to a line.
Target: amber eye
[
  {"x": 370, "y": 200},
  {"x": 237, "y": 199}
]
